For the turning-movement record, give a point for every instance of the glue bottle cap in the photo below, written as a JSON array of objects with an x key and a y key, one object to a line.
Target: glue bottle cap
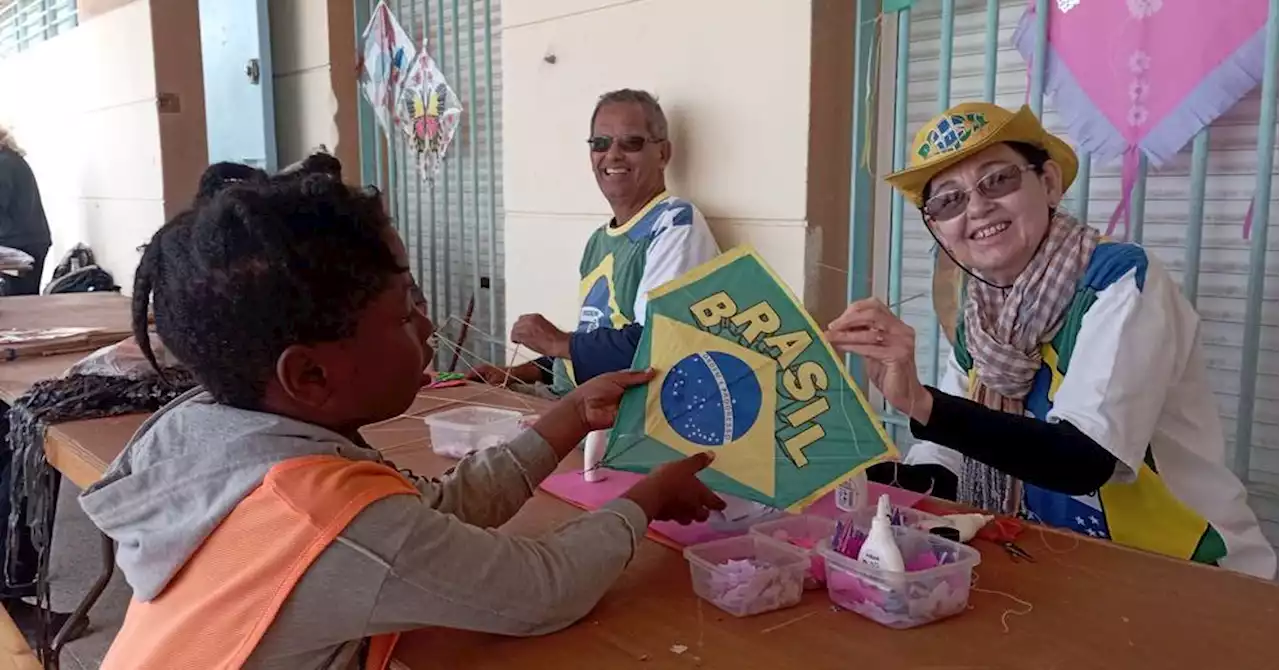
[{"x": 946, "y": 532}]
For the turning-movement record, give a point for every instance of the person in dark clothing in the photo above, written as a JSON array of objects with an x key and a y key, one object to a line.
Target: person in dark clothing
[
  {"x": 23, "y": 226},
  {"x": 22, "y": 222}
]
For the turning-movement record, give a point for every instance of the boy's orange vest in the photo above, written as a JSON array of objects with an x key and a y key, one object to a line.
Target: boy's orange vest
[{"x": 220, "y": 604}]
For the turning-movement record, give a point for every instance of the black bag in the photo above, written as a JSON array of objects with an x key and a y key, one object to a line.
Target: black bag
[
  {"x": 79, "y": 273},
  {"x": 85, "y": 280}
]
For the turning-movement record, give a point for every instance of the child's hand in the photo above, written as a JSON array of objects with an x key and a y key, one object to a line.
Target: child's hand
[
  {"x": 592, "y": 406},
  {"x": 597, "y": 400},
  {"x": 673, "y": 492}
]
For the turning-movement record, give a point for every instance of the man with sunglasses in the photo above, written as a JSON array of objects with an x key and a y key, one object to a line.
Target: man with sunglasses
[
  {"x": 1076, "y": 394},
  {"x": 652, "y": 238}
]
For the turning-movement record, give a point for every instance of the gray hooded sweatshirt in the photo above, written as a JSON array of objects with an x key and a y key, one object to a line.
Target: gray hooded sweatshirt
[{"x": 403, "y": 563}]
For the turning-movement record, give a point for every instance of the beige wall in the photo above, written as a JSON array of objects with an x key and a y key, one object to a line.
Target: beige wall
[
  {"x": 313, "y": 55},
  {"x": 734, "y": 78},
  {"x": 122, "y": 150},
  {"x": 86, "y": 107}
]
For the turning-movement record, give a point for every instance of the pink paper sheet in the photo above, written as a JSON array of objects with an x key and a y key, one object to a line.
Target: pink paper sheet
[{"x": 571, "y": 488}]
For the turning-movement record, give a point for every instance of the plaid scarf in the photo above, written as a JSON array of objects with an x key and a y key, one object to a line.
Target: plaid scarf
[{"x": 1004, "y": 329}]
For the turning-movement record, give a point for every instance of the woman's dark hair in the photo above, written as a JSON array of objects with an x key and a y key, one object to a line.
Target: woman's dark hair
[
  {"x": 221, "y": 175},
  {"x": 257, "y": 268},
  {"x": 320, "y": 162},
  {"x": 1035, "y": 156}
]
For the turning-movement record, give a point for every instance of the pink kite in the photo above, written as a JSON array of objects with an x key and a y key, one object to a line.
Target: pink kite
[{"x": 1146, "y": 75}]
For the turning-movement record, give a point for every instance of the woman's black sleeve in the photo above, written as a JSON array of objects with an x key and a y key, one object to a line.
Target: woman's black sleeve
[
  {"x": 931, "y": 478},
  {"x": 1055, "y": 456}
]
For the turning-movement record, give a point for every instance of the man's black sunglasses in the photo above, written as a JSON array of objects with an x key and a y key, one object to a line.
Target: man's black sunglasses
[{"x": 628, "y": 143}]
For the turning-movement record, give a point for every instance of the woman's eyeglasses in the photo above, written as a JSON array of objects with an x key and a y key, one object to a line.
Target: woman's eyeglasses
[
  {"x": 628, "y": 143},
  {"x": 995, "y": 184}
]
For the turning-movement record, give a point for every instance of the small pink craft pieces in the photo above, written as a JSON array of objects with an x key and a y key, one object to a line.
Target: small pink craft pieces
[
  {"x": 1146, "y": 75},
  {"x": 570, "y": 487}
]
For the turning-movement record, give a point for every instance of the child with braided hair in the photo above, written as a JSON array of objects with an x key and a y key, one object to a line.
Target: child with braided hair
[{"x": 255, "y": 525}]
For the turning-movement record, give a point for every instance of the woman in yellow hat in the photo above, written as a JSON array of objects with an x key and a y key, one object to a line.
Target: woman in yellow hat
[{"x": 1076, "y": 393}]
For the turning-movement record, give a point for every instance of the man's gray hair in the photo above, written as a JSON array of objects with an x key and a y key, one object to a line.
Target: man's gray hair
[{"x": 655, "y": 119}]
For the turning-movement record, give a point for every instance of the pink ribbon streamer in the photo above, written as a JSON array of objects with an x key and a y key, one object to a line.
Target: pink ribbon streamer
[{"x": 1128, "y": 179}]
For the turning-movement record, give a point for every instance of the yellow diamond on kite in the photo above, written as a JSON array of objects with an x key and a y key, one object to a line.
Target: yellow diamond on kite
[{"x": 719, "y": 398}]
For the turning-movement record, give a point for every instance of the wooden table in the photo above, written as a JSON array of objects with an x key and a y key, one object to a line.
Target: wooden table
[
  {"x": 1094, "y": 604},
  {"x": 109, "y": 311}
]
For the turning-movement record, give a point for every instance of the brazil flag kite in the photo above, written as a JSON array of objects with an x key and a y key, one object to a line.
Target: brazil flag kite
[{"x": 743, "y": 371}]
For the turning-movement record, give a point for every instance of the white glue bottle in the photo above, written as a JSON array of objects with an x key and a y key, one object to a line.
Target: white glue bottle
[
  {"x": 880, "y": 550},
  {"x": 593, "y": 453},
  {"x": 851, "y": 495}
]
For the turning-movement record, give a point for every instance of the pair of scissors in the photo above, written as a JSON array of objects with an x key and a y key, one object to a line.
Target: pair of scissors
[
  {"x": 1017, "y": 553},
  {"x": 1003, "y": 531}
]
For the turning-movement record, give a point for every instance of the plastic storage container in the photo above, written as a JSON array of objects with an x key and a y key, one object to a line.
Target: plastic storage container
[
  {"x": 904, "y": 599},
  {"x": 804, "y": 532},
  {"x": 465, "y": 430},
  {"x": 739, "y": 515},
  {"x": 748, "y": 574},
  {"x": 899, "y": 516}
]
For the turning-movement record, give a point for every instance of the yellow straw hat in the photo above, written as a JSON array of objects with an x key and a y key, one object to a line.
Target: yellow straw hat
[{"x": 966, "y": 129}]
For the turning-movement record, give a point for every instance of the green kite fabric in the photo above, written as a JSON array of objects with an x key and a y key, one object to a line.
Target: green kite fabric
[{"x": 743, "y": 371}]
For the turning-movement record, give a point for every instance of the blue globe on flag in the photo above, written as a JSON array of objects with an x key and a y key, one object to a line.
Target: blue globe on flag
[{"x": 711, "y": 398}]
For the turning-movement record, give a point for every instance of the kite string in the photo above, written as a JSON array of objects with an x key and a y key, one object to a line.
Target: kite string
[
  {"x": 1044, "y": 538},
  {"x": 456, "y": 347},
  {"x": 495, "y": 387},
  {"x": 513, "y": 350},
  {"x": 1004, "y": 616},
  {"x": 442, "y": 403}
]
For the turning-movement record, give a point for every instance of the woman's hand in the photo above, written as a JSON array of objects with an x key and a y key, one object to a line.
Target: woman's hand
[
  {"x": 869, "y": 329},
  {"x": 539, "y": 334},
  {"x": 525, "y": 373}
]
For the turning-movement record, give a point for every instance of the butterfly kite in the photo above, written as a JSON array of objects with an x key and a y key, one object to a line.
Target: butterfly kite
[
  {"x": 743, "y": 371},
  {"x": 388, "y": 51},
  {"x": 428, "y": 111}
]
